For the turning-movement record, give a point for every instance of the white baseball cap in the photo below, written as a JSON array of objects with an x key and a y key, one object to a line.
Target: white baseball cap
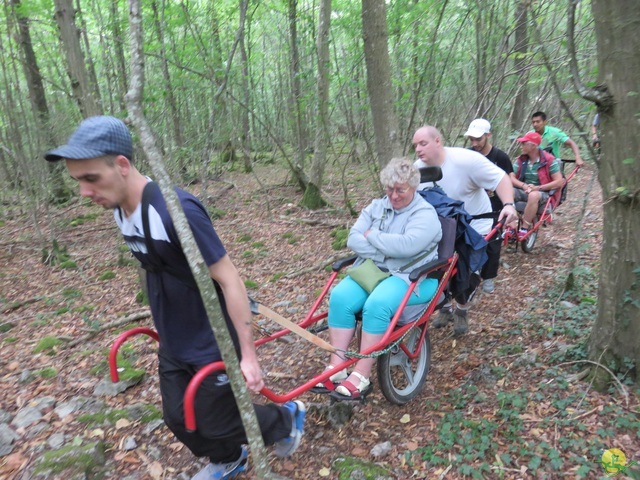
[{"x": 478, "y": 128}]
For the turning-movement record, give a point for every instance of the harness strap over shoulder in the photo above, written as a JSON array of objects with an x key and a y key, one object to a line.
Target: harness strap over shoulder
[{"x": 156, "y": 265}]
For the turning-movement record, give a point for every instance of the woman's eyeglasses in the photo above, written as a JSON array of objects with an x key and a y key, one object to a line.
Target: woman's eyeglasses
[{"x": 399, "y": 191}]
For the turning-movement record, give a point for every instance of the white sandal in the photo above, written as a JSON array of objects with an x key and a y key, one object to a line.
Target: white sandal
[
  {"x": 348, "y": 389},
  {"x": 329, "y": 384}
]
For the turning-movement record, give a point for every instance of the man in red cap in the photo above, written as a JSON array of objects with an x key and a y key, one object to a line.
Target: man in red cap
[{"x": 536, "y": 175}]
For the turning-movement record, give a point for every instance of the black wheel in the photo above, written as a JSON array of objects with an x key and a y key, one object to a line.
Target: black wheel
[
  {"x": 400, "y": 378},
  {"x": 530, "y": 241}
]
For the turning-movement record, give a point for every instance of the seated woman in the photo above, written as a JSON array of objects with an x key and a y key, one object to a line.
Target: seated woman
[{"x": 399, "y": 232}]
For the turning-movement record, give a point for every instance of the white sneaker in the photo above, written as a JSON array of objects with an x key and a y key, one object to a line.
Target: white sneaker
[
  {"x": 223, "y": 471},
  {"x": 488, "y": 286}
]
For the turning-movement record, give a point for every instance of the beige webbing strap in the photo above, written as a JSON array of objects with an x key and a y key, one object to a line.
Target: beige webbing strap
[{"x": 276, "y": 317}]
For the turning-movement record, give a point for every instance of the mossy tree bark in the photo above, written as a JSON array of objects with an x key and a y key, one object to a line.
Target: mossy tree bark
[
  {"x": 615, "y": 338},
  {"x": 312, "y": 197},
  {"x": 376, "y": 54}
]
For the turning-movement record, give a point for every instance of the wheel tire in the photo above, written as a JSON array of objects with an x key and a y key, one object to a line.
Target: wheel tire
[
  {"x": 529, "y": 242},
  {"x": 400, "y": 379}
]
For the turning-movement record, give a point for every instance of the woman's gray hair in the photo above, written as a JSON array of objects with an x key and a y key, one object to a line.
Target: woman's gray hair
[{"x": 400, "y": 170}]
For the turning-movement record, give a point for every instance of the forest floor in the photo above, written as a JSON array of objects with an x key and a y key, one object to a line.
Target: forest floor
[{"x": 499, "y": 402}]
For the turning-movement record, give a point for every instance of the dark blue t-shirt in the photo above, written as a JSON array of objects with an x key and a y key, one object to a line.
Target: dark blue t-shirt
[{"x": 177, "y": 308}]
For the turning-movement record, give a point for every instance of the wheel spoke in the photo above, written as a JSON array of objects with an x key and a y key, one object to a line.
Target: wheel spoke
[{"x": 408, "y": 372}]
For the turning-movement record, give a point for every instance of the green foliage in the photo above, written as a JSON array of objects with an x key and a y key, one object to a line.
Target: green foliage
[
  {"x": 71, "y": 293},
  {"x": 108, "y": 275},
  {"x": 47, "y": 345},
  {"x": 352, "y": 467},
  {"x": 277, "y": 276},
  {"x": 6, "y": 326},
  {"x": 291, "y": 238},
  {"x": 141, "y": 298},
  {"x": 250, "y": 284},
  {"x": 125, "y": 257},
  {"x": 244, "y": 238},
  {"x": 340, "y": 236},
  {"x": 82, "y": 219},
  {"x": 10, "y": 340},
  {"x": 48, "y": 372},
  {"x": 58, "y": 255},
  {"x": 72, "y": 458},
  {"x": 108, "y": 417},
  {"x": 215, "y": 213}
]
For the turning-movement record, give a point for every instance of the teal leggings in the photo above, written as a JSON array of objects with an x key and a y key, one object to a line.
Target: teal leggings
[{"x": 378, "y": 308}]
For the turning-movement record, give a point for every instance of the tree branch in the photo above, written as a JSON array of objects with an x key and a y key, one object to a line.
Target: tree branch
[
  {"x": 187, "y": 241},
  {"x": 134, "y": 317},
  {"x": 599, "y": 95}
]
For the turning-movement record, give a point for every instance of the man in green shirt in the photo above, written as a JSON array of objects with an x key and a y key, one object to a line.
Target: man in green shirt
[{"x": 554, "y": 137}]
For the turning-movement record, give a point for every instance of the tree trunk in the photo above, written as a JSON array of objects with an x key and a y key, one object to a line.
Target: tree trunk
[
  {"x": 118, "y": 45},
  {"x": 94, "y": 87},
  {"x": 312, "y": 197},
  {"x": 615, "y": 338},
  {"x": 296, "y": 108},
  {"x": 246, "y": 98},
  {"x": 70, "y": 40},
  {"x": 520, "y": 115},
  {"x": 376, "y": 54},
  {"x": 59, "y": 191},
  {"x": 174, "y": 117},
  {"x": 196, "y": 262}
]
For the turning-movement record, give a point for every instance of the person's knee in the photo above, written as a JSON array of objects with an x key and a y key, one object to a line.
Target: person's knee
[
  {"x": 173, "y": 417},
  {"x": 376, "y": 315},
  {"x": 534, "y": 197}
]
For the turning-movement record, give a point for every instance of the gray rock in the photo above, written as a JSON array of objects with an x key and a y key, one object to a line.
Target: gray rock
[
  {"x": 302, "y": 298},
  {"x": 481, "y": 375},
  {"x": 76, "y": 461},
  {"x": 107, "y": 388},
  {"x": 567, "y": 304},
  {"x": 339, "y": 413},
  {"x": 45, "y": 403},
  {"x": 26, "y": 416},
  {"x": 283, "y": 303},
  {"x": 136, "y": 411},
  {"x": 65, "y": 409},
  {"x": 56, "y": 441},
  {"x": 5, "y": 417},
  {"x": 151, "y": 426},
  {"x": 7, "y": 437},
  {"x": 26, "y": 376},
  {"x": 381, "y": 449},
  {"x": 526, "y": 359},
  {"x": 154, "y": 452},
  {"x": 37, "y": 429},
  {"x": 293, "y": 310},
  {"x": 129, "y": 444}
]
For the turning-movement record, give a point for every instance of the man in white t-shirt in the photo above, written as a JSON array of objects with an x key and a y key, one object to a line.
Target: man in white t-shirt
[{"x": 466, "y": 175}]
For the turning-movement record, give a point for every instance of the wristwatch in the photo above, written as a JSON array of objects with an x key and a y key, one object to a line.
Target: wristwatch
[{"x": 509, "y": 203}]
